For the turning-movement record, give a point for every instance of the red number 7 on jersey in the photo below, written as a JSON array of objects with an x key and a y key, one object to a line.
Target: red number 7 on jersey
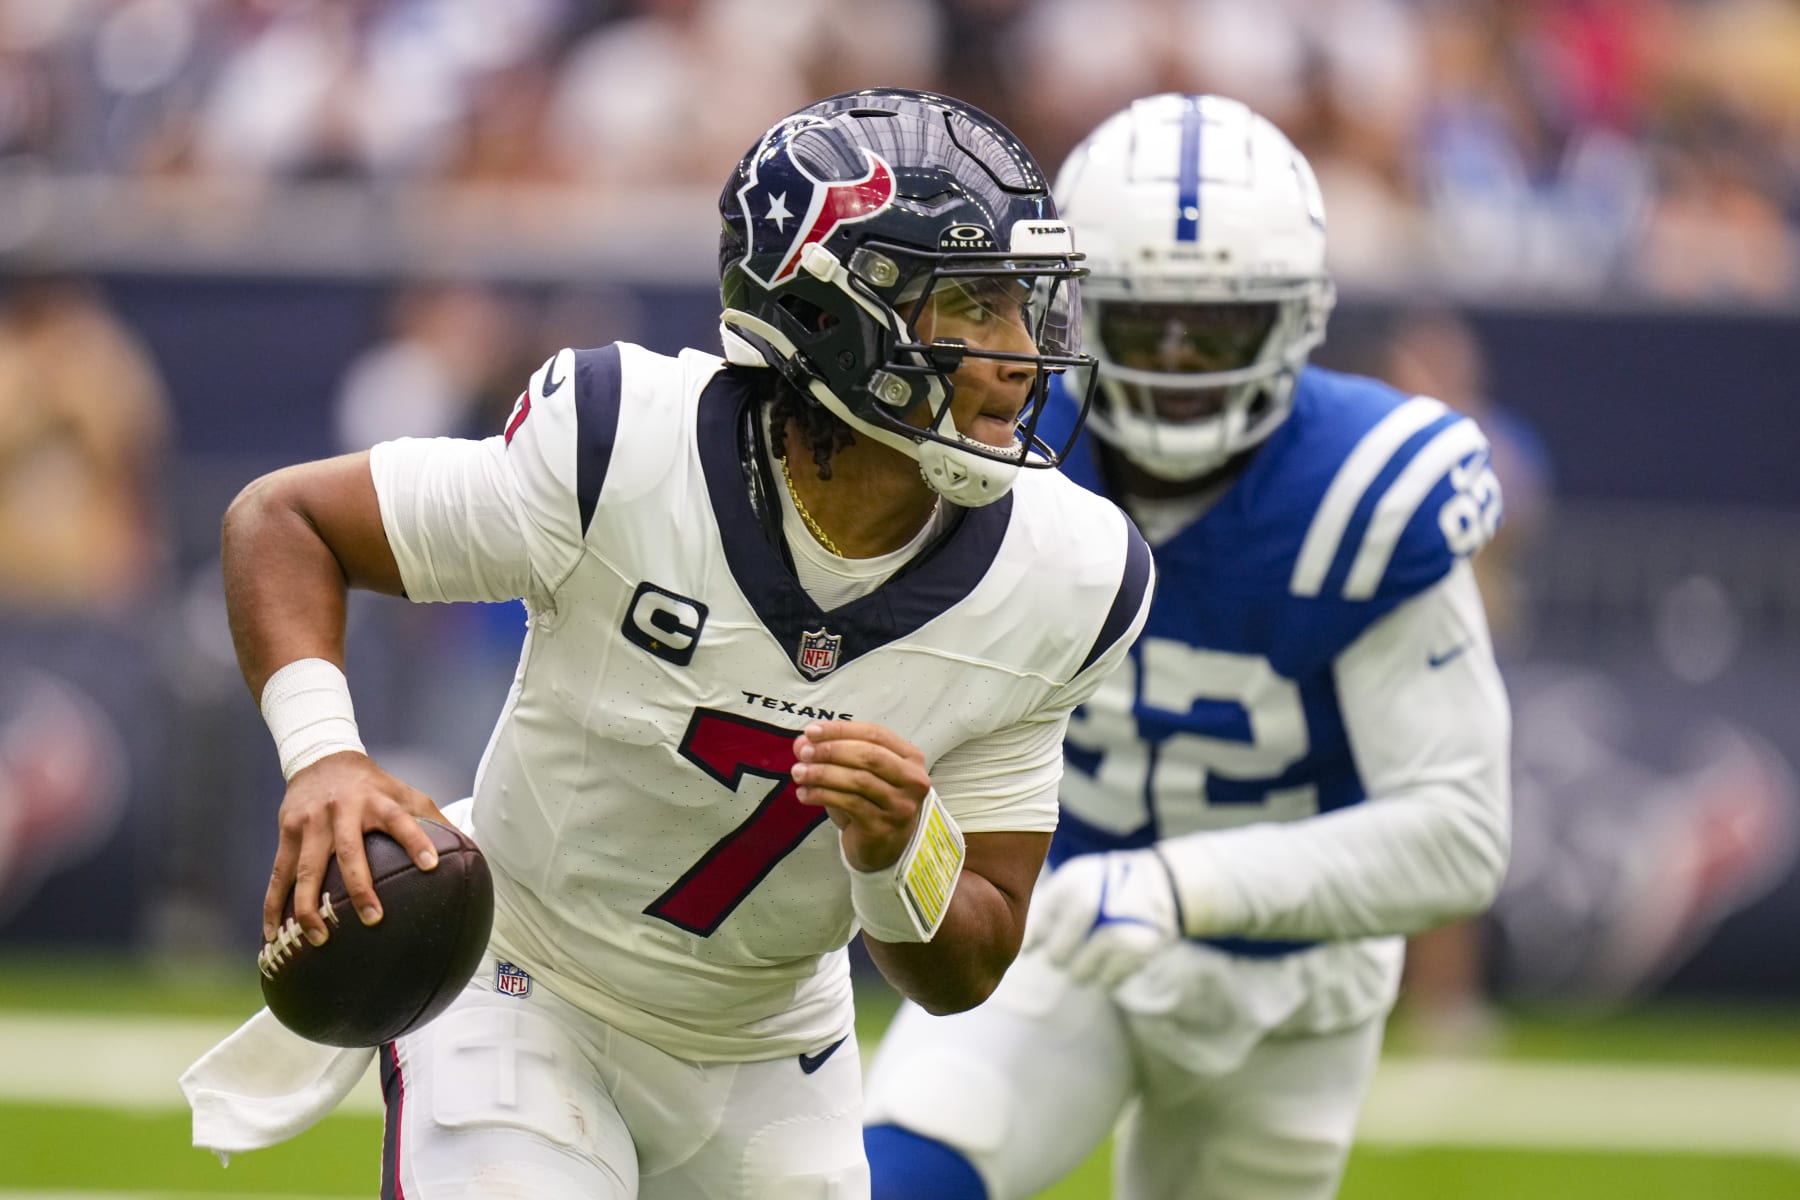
[{"x": 728, "y": 747}]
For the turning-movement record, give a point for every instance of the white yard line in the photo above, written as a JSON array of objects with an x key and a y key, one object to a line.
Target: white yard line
[
  {"x": 1583, "y": 1106},
  {"x": 133, "y": 1062},
  {"x": 115, "y": 1061}
]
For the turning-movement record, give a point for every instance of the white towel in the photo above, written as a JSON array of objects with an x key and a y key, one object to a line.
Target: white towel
[{"x": 264, "y": 1084}]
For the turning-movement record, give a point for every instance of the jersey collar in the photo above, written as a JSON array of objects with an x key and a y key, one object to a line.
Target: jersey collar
[{"x": 815, "y": 641}]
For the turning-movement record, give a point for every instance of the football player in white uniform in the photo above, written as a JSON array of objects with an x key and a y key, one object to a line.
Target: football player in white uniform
[
  {"x": 1304, "y": 757},
  {"x": 807, "y": 624}
]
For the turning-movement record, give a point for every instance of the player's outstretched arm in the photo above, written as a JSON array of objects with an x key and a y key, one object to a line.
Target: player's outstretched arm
[
  {"x": 946, "y": 942},
  {"x": 1428, "y": 722},
  {"x": 292, "y": 543}
]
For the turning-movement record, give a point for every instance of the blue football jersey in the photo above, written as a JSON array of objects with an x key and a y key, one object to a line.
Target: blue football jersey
[{"x": 1227, "y": 711}]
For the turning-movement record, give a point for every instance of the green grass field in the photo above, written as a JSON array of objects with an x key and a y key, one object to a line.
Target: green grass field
[{"x": 1675, "y": 1103}]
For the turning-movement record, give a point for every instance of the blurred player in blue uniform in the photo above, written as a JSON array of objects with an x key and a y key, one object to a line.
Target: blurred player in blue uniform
[{"x": 1305, "y": 757}]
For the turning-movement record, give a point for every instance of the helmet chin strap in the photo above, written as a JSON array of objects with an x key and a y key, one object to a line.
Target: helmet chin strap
[
  {"x": 969, "y": 480},
  {"x": 740, "y": 351},
  {"x": 1185, "y": 453},
  {"x": 964, "y": 478},
  {"x": 1173, "y": 455},
  {"x": 1173, "y": 466}
]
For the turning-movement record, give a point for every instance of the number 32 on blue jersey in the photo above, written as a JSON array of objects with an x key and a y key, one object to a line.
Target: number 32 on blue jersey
[{"x": 1164, "y": 771}]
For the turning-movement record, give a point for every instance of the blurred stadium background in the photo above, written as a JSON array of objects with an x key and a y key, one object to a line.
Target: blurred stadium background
[{"x": 238, "y": 233}]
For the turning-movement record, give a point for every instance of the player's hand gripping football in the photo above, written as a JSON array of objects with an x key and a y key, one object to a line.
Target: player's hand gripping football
[
  {"x": 328, "y": 807},
  {"x": 871, "y": 783},
  {"x": 1102, "y": 916}
]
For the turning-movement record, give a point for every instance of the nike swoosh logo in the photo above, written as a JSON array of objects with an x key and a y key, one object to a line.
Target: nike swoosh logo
[
  {"x": 812, "y": 1062},
  {"x": 551, "y": 382},
  {"x": 1434, "y": 661}
]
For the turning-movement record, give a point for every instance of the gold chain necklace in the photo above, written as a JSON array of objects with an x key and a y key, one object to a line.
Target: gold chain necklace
[{"x": 799, "y": 507}]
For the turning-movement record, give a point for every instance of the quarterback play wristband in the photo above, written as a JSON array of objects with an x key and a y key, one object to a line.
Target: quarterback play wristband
[
  {"x": 306, "y": 705},
  {"x": 907, "y": 901}
]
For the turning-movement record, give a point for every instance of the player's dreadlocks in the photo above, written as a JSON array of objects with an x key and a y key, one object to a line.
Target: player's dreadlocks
[{"x": 820, "y": 431}]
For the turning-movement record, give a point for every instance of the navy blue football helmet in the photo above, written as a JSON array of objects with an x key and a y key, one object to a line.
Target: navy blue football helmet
[{"x": 853, "y": 215}]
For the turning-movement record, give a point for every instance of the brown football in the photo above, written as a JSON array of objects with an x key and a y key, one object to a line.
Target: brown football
[{"x": 369, "y": 984}]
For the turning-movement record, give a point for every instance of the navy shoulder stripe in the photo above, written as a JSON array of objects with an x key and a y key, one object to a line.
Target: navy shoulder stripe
[
  {"x": 598, "y": 382},
  {"x": 1127, "y": 600}
]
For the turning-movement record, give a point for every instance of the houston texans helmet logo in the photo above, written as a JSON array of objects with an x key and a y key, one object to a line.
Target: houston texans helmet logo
[{"x": 787, "y": 209}]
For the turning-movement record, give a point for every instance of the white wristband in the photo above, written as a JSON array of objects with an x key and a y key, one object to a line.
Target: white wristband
[
  {"x": 306, "y": 705},
  {"x": 906, "y": 902}
]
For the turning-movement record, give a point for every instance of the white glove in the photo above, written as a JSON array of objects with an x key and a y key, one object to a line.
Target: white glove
[{"x": 1102, "y": 916}]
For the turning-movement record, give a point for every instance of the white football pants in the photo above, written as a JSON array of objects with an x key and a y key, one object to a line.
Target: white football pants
[
  {"x": 525, "y": 1096},
  {"x": 1027, "y": 1086}
]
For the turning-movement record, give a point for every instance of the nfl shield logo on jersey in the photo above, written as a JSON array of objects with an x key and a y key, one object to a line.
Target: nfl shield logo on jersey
[
  {"x": 818, "y": 652},
  {"x": 511, "y": 981}
]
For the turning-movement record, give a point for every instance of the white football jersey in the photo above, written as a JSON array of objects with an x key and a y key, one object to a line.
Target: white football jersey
[{"x": 651, "y": 863}]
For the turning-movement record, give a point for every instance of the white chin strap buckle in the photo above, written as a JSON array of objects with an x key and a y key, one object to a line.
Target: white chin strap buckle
[{"x": 966, "y": 479}]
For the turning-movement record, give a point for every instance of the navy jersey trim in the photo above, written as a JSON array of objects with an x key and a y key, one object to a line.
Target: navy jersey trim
[
  {"x": 1243, "y": 947},
  {"x": 1127, "y": 600},
  {"x": 393, "y": 1089},
  {"x": 1074, "y": 837},
  {"x": 598, "y": 382},
  {"x": 923, "y": 590},
  {"x": 1358, "y": 529}
]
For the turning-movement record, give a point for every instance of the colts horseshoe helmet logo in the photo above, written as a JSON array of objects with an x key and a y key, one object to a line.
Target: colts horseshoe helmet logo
[{"x": 787, "y": 208}]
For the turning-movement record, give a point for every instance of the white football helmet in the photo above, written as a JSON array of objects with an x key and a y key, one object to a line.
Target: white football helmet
[{"x": 1204, "y": 232}]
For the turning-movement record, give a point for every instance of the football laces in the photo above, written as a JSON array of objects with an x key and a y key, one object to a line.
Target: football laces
[{"x": 279, "y": 949}]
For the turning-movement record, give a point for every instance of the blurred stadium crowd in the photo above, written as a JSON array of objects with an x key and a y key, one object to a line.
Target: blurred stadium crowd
[
  {"x": 1646, "y": 146},
  {"x": 236, "y": 233}
]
